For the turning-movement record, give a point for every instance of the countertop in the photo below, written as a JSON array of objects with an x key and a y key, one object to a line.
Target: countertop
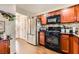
[
  {"x": 4, "y": 40},
  {"x": 67, "y": 34},
  {"x": 76, "y": 35},
  {"x": 71, "y": 34}
]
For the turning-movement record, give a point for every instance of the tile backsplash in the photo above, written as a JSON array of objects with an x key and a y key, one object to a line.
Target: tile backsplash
[{"x": 67, "y": 25}]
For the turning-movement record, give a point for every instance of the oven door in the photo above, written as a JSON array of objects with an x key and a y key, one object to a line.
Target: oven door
[{"x": 52, "y": 40}]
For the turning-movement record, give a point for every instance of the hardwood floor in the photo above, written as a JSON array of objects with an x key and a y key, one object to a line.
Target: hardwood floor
[{"x": 22, "y": 47}]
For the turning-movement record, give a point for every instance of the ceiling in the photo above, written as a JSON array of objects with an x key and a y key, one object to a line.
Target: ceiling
[{"x": 36, "y": 9}]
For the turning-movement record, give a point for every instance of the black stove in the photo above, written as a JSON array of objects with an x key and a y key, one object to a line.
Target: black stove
[{"x": 53, "y": 38}]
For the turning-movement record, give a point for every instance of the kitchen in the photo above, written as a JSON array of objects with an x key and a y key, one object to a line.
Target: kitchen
[
  {"x": 67, "y": 20},
  {"x": 56, "y": 30}
]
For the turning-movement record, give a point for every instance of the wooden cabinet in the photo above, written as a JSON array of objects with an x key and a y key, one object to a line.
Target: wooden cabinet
[
  {"x": 77, "y": 12},
  {"x": 51, "y": 13},
  {"x": 69, "y": 44},
  {"x": 64, "y": 43},
  {"x": 58, "y": 12},
  {"x": 4, "y": 47},
  {"x": 42, "y": 38},
  {"x": 74, "y": 45},
  {"x": 68, "y": 15},
  {"x": 54, "y": 13},
  {"x": 43, "y": 19}
]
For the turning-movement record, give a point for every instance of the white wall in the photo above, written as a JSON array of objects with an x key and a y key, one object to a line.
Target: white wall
[{"x": 9, "y": 25}]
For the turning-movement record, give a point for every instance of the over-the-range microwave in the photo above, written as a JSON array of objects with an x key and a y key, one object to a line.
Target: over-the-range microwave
[{"x": 53, "y": 19}]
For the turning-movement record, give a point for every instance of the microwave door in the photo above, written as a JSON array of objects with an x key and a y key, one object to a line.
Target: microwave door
[{"x": 53, "y": 19}]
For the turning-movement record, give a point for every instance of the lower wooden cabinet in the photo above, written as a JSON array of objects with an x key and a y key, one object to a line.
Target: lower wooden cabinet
[
  {"x": 69, "y": 44},
  {"x": 42, "y": 38},
  {"x": 4, "y": 47},
  {"x": 64, "y": 43},
  {"x": 74, "y": 45}
]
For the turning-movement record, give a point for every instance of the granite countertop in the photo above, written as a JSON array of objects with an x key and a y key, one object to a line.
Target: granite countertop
[
  {"x": 76, "y": 35},
  {"x": 3, "y": 40},
  {"x": 71, "y": 34}
]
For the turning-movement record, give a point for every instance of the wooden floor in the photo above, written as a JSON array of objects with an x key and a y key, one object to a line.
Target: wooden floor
[{"x": 22, "y": 47}]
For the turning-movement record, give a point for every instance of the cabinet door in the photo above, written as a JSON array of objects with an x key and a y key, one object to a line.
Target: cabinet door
[
  {"x": 42, "y": 38},
  {"x": 77, "y": 12},
  {"x": 74, "y": 45},
  {"x": 57, "y": 12},
  {"x": 51, "y": 13},
  {"x": 54, "y": 13},
  {"x": 4, "y": 47},
  {"x": 43, "y": 19},
  {"x": 64, "y": 43},
  {"x": 68, "y": 15}
]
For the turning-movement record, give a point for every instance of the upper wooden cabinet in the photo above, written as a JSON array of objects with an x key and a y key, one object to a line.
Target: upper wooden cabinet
[
  {"x": 43, "y": 19},
  {"x": 77, "y": 12},
  {"x": 68, "y": 15},
  {"x": 51, "y": 13},
  {"x": 54, "y": 13},
  {"x": 57, "y": 12}
]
